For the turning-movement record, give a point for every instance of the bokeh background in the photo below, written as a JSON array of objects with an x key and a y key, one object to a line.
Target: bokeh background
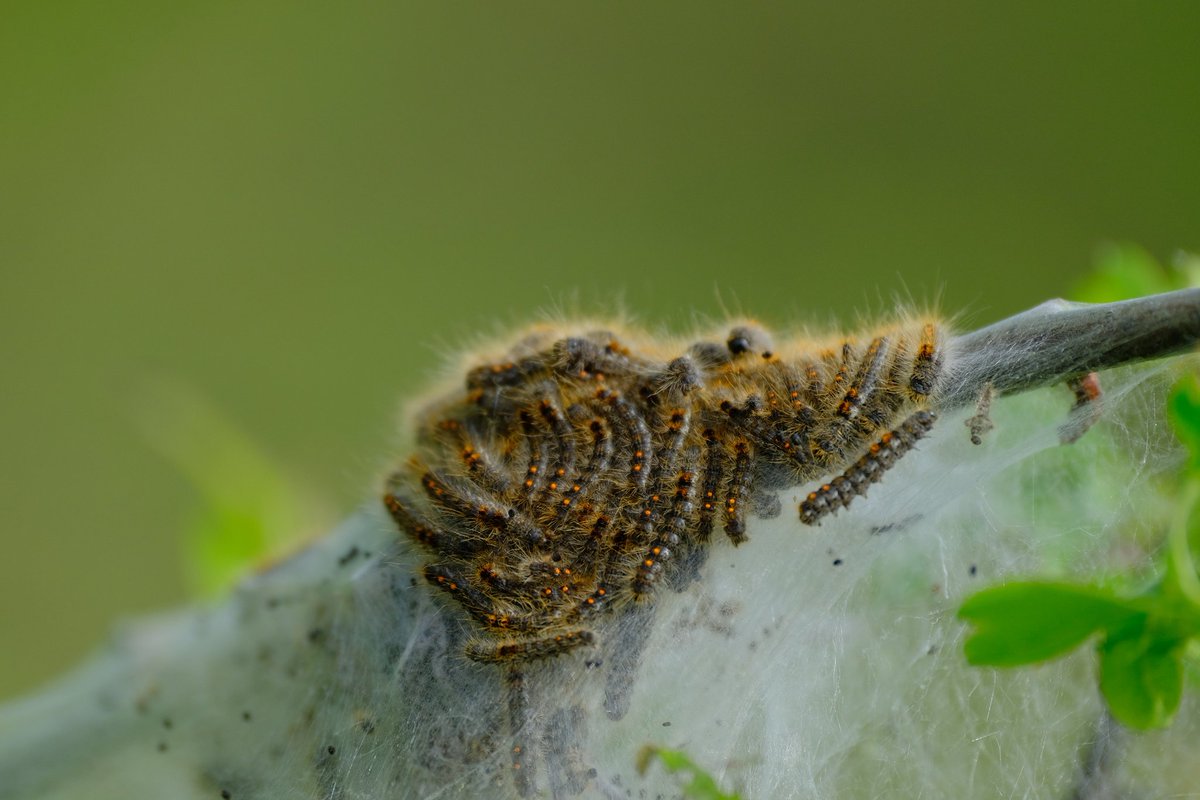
[{"x": 253, "y": 226}]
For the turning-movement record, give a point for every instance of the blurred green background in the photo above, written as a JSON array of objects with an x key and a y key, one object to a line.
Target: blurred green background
[{"x": 278, "y": 217}]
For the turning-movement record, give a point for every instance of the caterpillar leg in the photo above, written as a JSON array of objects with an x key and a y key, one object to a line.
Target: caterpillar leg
[{"x": 867, "y": 470}]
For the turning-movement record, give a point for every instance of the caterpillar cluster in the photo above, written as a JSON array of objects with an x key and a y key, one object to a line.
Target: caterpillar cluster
[{"x": 582, "y": 470}]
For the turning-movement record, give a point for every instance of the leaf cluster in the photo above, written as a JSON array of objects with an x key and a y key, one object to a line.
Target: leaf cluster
[{"x": 700, "y": 785}]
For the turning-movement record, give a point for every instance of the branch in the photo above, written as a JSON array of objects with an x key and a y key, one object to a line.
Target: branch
[{"x": 807, "y": 663}]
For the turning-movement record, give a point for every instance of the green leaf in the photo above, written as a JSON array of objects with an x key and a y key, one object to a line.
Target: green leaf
[
  {"x": 1021, "y": 623},
  {"x": 1188, "y": 267},
  {"x": 247, "y": 507},
  {"x": 702, "y": 786},
  {"x": 1124, "y": 271},
  {"x": 1141, "y": 677},
  {"x": 1183, "y": 408}
]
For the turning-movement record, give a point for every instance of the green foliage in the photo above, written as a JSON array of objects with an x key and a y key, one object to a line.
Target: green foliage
[
  {"x": 1143, "y": 639},
  {"x": 249, "y": 509},
  {"x": 1183, "y": 407},
  {"x": 1141, "y": 672},
  {"x": 700, "y": 786},
  {"x": 1124, "y": 271},
  {"x": 1023, "y": 622}
]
